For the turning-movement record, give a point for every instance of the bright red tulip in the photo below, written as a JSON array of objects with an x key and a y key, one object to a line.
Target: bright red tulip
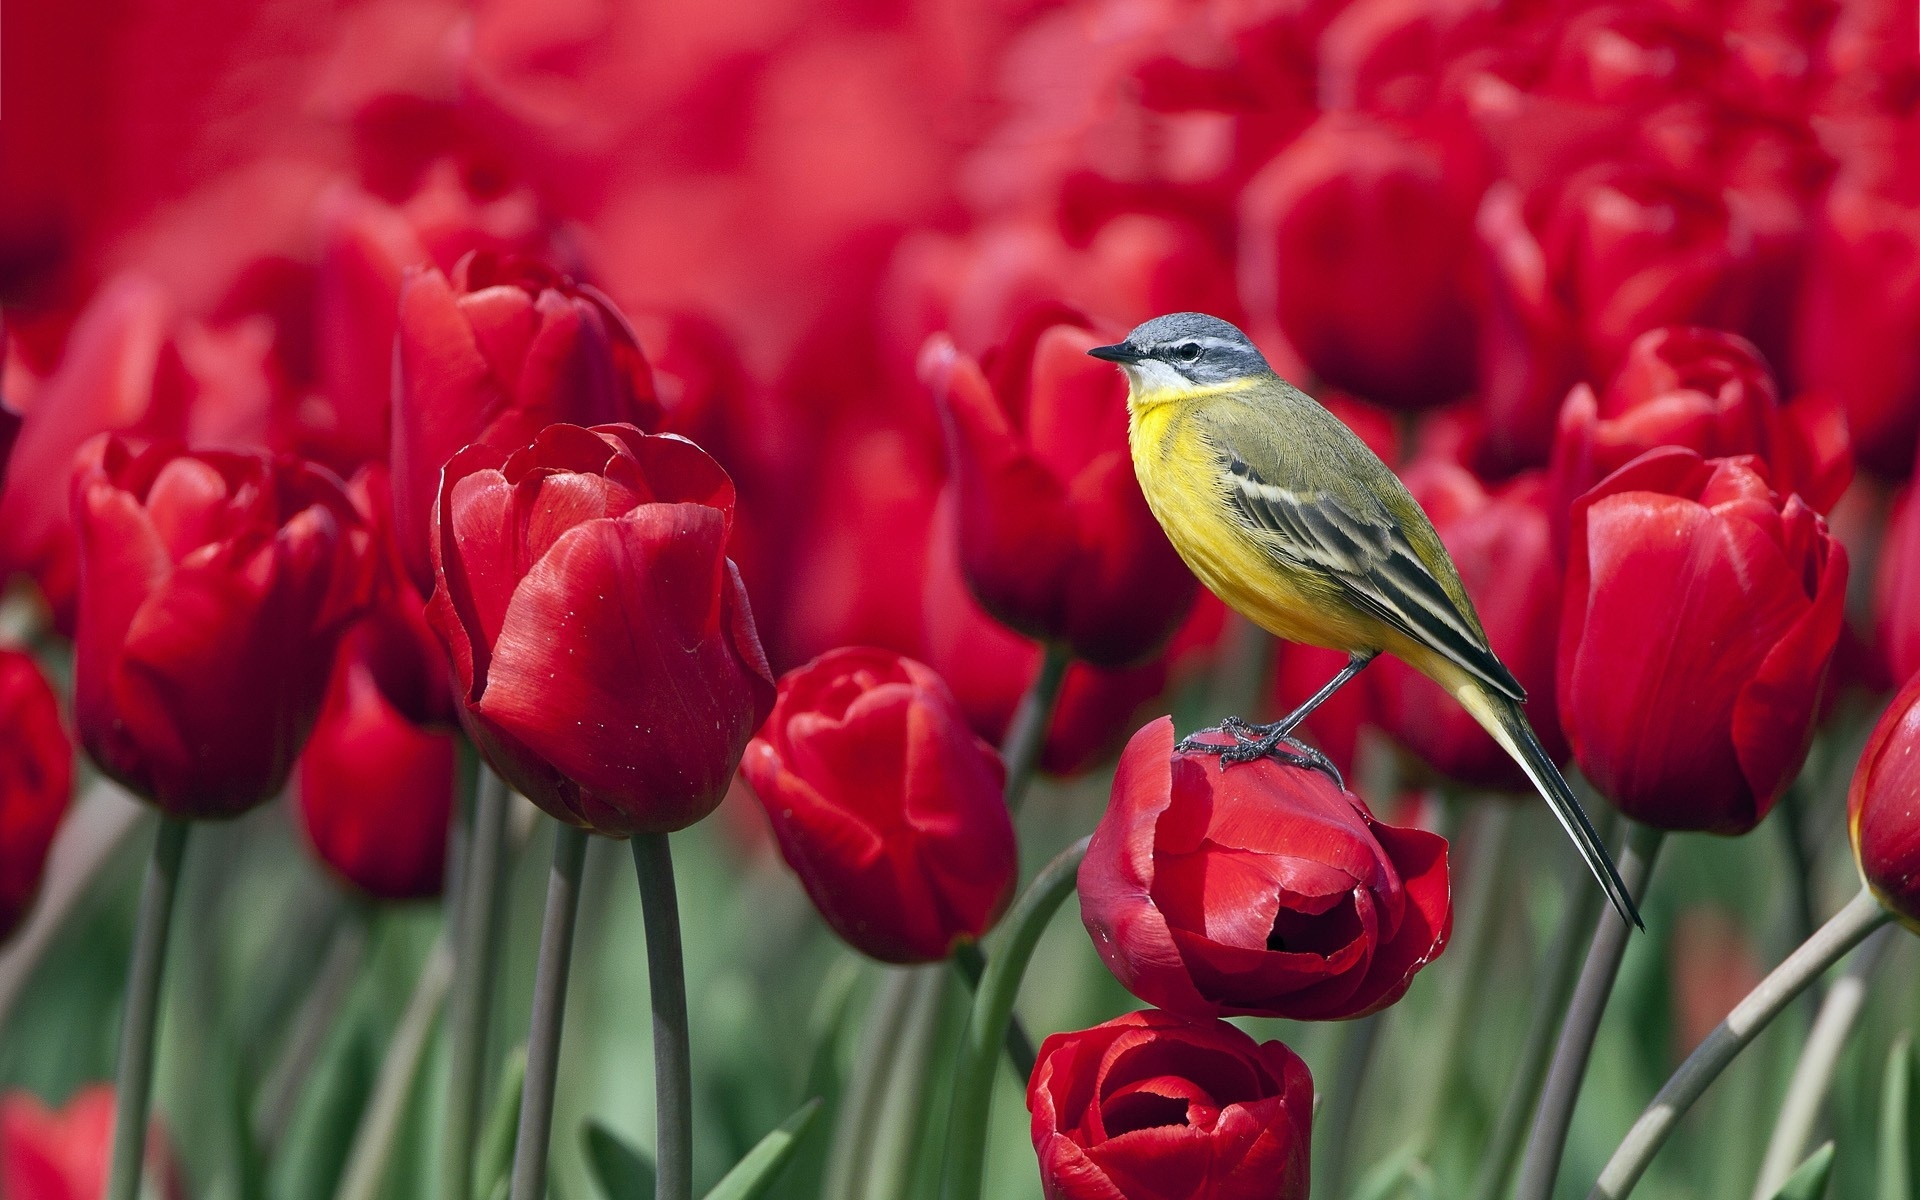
[
  {"x": 1055, "y": 538},
  {"x": 1896, "y": 591},
  {"x": 1260, "y": 890},
  {"x": 1153, "y": 1106},
  {"x": 36, "y": 782},
  {"x": 64, "y": 1154},
  {"x": 601, "y": 639},
  {"x": 505, "y": 348},
  {"x": 1700, "y": 612},
  {"x": 1502, "y": 541},
  {"x": 1883, "y": 807},
  {"x": 886, "y": 805},
  {"x": 214, "y": 589},
  {"x": 376, "y": 791}
]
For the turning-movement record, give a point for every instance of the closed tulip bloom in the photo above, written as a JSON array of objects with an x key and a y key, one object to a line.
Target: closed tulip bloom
[
  {"x": 1055, "y": 538},
  {"x": 1154, "y": 1106},
  {"x": 1700, "y": 612},
  {"x": 36, "y": 781},
  {"x": 495, "y": 354},
  {"x": 63, "y": 1154},
  {"x": 214, "y": 589},
  {"x": 601, "y": 639},
  {"x": 376, "y": 791},
  {"x": 886, "y": 804},
  {"x": 1260, "y": 890},
  {"x": 1896, "y": 591},
  {"x": 1502, "y": 541},
  {"x": 1883, "y": 807}
]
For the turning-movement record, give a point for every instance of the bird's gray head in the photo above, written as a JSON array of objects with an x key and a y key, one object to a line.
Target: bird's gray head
[{"x": 1183, "y": 351}]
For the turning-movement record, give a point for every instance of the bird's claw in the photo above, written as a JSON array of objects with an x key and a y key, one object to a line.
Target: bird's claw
[{"x": 1253, "y": 742}]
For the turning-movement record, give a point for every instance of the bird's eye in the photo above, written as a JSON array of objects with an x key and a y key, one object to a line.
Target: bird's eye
[{"x": 1187, "y": 352}]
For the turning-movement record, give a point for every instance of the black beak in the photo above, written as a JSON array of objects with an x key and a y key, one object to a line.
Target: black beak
[{"x": 1119, "y": 352}]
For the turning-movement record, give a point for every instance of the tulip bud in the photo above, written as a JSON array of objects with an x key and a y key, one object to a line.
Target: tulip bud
[
  {"x": 214, "y": 589},
  {"x": 1700, "y": 612},
  {"x": 64, "y": 1154},
  {"x": 1258, "y": 890},
  {"x": 1883, "y": 807},
  {"x": 36, "y": 779},
  {"x": 1896, "y": 591},
  {"x": 886, "y": 805},
  {"x": 504, "y": 349},
  {"x": 1153, "y": 1106},
  {"x": 601, "y": 639},
  {"x": 1055, "y": 538}
]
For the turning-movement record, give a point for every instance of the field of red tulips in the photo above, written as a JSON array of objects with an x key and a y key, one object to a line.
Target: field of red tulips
[{"x": 623, "y": 600}]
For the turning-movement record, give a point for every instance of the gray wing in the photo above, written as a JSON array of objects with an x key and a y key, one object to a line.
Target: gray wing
[{"x": 1372, "y": 561}]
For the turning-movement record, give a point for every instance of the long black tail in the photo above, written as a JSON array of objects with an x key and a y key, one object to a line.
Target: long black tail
[{"x": 1508, "y": 725}]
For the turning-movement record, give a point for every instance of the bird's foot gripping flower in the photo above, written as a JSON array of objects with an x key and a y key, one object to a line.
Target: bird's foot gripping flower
[{"x": 1250, "y": 743}]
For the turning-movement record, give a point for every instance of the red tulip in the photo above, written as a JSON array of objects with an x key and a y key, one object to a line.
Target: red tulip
[
  {"x": 1700, "y": 613},
  {"x": 1703, "y": 389},
  {"x": 400, "y": 648},
  {"x": 601, "y": 639},
  {"x": 36, "y": 781},
  {"x": 1502, "y": 541},
  {"x": 214, "y": 588},
  {"x": 1055, "y": 538},
  {"x": 886, "y": 805},
  {"x": 376, "y": 791},
  {"x": 1896, "y": 591},
  {"x": 1153, "y": 1106},
  {"x": 504, "y": 349},
  {"x": 1883, "y": 807},
  {"x": 1260, "y": 890},
  {"x": 63, "y": 1154},
  {"x": 1357, "y": 244}
]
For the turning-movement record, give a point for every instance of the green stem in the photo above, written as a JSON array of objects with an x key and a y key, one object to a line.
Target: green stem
[
  {"x": 1550, "y": 999},
  {"x": 850, "y": 1156},
  {"x": 327, "y": 992},
  {"x": 134, "y": 1079},
  {"x": 904, "y": 1128},
  {"x": 1027, "y": 733},
  {"x": 379, "y": 1131},
  {"x": 1334, "y": 1128},
  {"x": 549, "y": 1010},
  {"x": 971, "y": 962},
  {"x": 992, "y": 1012},
  {"x": 1845, "y": 930},
  {"x": 1548, "y": 1141},
  {"x": 1813, "y": 1074},
  {"x": 667, "y": 985},
  {"x": 478, "y": 913}
]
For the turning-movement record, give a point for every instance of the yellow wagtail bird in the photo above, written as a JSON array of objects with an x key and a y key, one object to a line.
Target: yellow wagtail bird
[{"x": 1290, "y": 519}]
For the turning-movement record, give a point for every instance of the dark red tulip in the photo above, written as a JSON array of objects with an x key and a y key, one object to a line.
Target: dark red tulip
[
  {"x": 64, "y": 1154},
  {"x": 1896, "y": 591},
  {"x": 36, "y": 782},
  {"x": 1700, "y": 612},
  {"x": 1502, "y": 541},
  {"x": 376, "y": 790},
  {"x": 1357, "y": 244},
  {"x": 1055, "y": 538},
  {"x": 1153, "y": 1106},
  {"x": 214, "y": 589},
  {"x": 1705, "y": 390},
  {"x": 505, "y": 348},
  {"x": 1883, "y": 807},
  {"x": 886, "y": 805},
  {"x": 399, "y": 646},
  {"x": 601, "y": 639},
  {"x": 1260, "y": 890}
]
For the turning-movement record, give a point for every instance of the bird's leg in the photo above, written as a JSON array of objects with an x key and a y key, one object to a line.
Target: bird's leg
[{"x": 1258, "y": 741}]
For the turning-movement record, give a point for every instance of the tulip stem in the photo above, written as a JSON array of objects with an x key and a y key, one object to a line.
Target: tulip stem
[
  {"x": 850, "y": 1157},
  {"x": 379, "y": 1131},
  {"x": 133, "y": 1088},
  {"x": 1027, "y": 733},
  {"x": 1335, "y": 1126},
  {"x": 1845, "y": 930},
  {"x": 667, "y": 985},
  {"x": 972, "y": 965},
  {"x": 477, "y": 915},
  {"x": 1550, "y": 998},
  {"x": 1548, "y": 1140},
  {"x": 1813, "y": 1074},
  {"x": 549, "y": 1009},
  {"x": 992, "y": 1012}
]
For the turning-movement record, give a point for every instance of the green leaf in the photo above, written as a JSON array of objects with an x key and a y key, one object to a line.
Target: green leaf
[
  {"x": 623, "y": 1172},
  {"x": 328, "y": 1114},
  {"x": 1401, "y": 1169},
  {"x": 754, "y": 1174},
  {"x": 493, "y": 1161},
  {"x": 1809, "y": 1179},
  {"x": 1899, "y": 1125}
]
